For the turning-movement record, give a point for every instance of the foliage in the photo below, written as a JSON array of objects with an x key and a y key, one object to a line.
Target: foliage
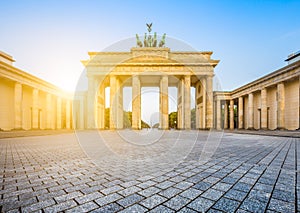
[{"x": 173, "y": 120}]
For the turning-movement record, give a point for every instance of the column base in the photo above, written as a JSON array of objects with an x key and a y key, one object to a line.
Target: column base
[
  {"x": 18, "y": 129},
  {"x": 281, "y": 128},
  {"x": 251, "y": 128}
]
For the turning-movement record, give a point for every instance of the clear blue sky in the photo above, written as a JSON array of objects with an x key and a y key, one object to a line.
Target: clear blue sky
[{"x": 49, "y": 38}]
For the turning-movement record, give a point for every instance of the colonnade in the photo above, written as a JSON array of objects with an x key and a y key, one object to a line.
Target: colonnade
[
  {"x": 96, "y": 101},
  {"x": 28, "y": 102},
  {"x": 275, "y": 106}
]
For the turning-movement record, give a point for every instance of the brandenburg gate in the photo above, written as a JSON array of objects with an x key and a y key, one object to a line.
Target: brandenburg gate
[{"x": 150, "y": 64}]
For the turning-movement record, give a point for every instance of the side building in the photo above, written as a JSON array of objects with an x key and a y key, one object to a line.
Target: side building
[
  {"x": 28, "y": 102},
  {"x": 271, "y": 102}
]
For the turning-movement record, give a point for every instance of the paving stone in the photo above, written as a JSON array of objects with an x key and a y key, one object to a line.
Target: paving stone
[
  {"x": 149, "y": 191},
  {"x": 113, "y": 207},
  {"x": 66, "y": 197},
  {"x": 147, "y": 184},
  {"x": 226, "y": 205},
  {"x": 61, "y": 206},
  {"x": 162, "y": 209},
  {"x": 38, "y": 206},
  {"x": 202, "y": 186},
  {"x": 242, "y": 187},
  {"x": 259, "y": 195},
  {"x": 186, "y": 210},
  {"x": 212, "y": 194},
  {"x": 129, "y": 191},
  {"x": 183, "y": 185},
  {"x": 134, "y": 209},
  {"x": 222, "y": 186},
  {"x": 111, "y": 190},
  {"x": 153, "y": 201},
  {"x": 281, "y": 206},
  {"x": 241, "y": 174},
  {"x": 236, "y": 195},
  {"x": 88, "y": 197},
  {"x": 200, "y": 204},
  {"x": 191, "y": 193},
  {"x": 284, "y": 195},
  {"x": 108, "y": 199},
  {"x": 129, "y": 200},
  {"x": 176, "y": 202},
  {"x": 263, "y": 187},
  {"x": 253, "y": 205},
  {"x": 170, "y": 192},
  {"x": 165, "y": 184}
]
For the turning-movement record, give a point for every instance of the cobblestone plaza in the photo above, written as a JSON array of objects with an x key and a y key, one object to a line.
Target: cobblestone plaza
[{"x": 172, "y": 171}]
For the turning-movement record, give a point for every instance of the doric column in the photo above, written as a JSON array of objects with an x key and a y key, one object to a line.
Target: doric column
[
  {"x": 241, "y": 113},
  {"x": 219, "y": 118},
  {"x": 226, "y": 115},
  {"x": 264, "y": 109},
  {"x": 164, "y": 103},
  {"x": 198, "y": 102},
  {"x": 49, "y": 111},
  {"x": 58, "y": 113},
  {"x": 136, "y": 103},
  {"x": 231, "y": 114},
  {"x": 209, "y": 102},
  {"x": 180, "y": 110},
  {"x": 187, "y": 102},
  {"x": 101, "y": 107},
  {"x": 18, "y": 105},
  {"x": 35, "y": 109},
  {"x": 68, "y": 114},
  {"x": 280, "y": 106},
  {"x": 250, "y": 111},
  {"x": 91, "y": 103},
  {"x": 81, "y": 114},
  {"x": 113, "y": 102},
  {"x": 119, "y": 96},
  {"x": 203, "y": 82}
]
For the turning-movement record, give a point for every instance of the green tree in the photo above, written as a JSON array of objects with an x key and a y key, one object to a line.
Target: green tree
[
  {"x": 173, "y": 120},
  {"x": 127, "y": 119},
  {"x": 193, "y": 118},
  {"x": 107, "y": 116}
]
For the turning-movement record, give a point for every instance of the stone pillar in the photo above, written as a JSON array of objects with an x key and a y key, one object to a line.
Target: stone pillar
[
  {"x": 180, "y": 111},
  {"x": 49, "y": 111},
  {"x": 198, "y": 102},
  {"x": 231, "y": 114},
  {"x": 113, "y": 103},
  {"x": 209, "y": 102},
  {"x": 136, "y": 103},
  {"x": 82, "y": 114},
  {"x": 58, "y": 113},
  {"x": 18, "y": 105},
  {"x": 91, "y": 103},
  {"x": 241, "y": 113},
  {"x": 280, "y": 106},
  {"x": 203, "y": 82},
  {"x": 264, "y": 109},
  {"x": 164, "y": 103},
  {"x": 187, "y": 102},
  {"x": 250, "y": 111},
  {"x": 219, "y": 117},
  {"x": 101, "y": 107},
  {"x": 119, "y": 96},
  {"x": 35, "y": 109},
  {"x": 68, "y": 114},
  {"x": 226, "y": 115}
]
